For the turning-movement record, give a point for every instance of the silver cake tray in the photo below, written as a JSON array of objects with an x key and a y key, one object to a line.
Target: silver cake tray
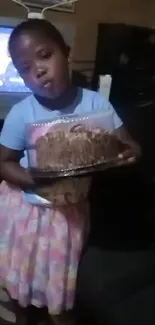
[{"x": 91, "y": 170}]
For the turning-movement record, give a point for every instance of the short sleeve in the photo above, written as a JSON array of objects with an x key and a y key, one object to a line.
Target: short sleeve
[
  {"x": 116, "y": 119},
  {"x": 101, "y": 103},
  {"x": 12, "y": 135}
]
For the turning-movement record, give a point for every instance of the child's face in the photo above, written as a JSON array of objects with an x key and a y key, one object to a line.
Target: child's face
[{"x": 42, "y": 65}]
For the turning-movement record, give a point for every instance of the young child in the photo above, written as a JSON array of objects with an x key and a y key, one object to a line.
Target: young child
[{"x": 40, "y": 246}]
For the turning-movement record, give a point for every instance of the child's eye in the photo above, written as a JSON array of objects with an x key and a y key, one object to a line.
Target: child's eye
[{"x": 46, "y": 55}]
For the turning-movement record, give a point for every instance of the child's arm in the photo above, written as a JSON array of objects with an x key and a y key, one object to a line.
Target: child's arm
[
  {"x": 11, "y": 171},
  {"x": 120, "y": 130},
  {"x": 12, "y": 142},
  {"x": 135, "y": 151}
]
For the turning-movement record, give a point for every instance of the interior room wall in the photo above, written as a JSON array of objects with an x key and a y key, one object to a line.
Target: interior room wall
[
  {"x": 86, "y": 18},
  {"x": 88, "y": 14}
]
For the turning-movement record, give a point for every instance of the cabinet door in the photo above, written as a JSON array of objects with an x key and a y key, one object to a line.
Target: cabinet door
[
  {"x": 111, "y": 38},
  {"x": 128, "y": 54}
]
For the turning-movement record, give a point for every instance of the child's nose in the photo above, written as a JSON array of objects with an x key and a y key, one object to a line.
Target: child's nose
[{"x": 40, "y": 72}]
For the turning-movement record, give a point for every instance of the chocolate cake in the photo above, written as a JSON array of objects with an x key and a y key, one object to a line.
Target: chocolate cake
[{"x": 76, "y": 147}]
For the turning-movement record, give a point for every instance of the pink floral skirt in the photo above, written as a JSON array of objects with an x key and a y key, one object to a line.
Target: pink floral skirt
[{"x": 40, "y": 250}]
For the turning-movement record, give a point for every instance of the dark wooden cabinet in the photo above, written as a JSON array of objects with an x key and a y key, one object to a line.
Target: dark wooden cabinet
[{"x": 128, "y": 54}]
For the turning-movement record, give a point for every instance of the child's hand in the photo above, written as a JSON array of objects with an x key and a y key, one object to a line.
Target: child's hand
[
  {"x": 133, "y": 151},
  {"x": 128, "y": 156}
]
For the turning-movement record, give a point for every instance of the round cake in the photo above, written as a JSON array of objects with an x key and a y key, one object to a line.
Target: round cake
[{"x": 75, "y": 147}]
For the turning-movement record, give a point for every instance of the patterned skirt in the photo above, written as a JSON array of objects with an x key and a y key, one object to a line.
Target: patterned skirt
[{"x": 40, "y": 250}]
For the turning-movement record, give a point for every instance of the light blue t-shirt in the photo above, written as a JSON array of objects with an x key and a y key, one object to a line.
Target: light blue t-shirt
[{"x": 13, "y": 135}]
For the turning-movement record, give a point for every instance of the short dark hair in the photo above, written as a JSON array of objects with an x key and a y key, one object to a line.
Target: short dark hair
[{"x": 41, "y": 26}]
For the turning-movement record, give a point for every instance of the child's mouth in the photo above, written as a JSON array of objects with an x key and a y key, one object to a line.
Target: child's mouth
[{"x": 47, "y": 85}]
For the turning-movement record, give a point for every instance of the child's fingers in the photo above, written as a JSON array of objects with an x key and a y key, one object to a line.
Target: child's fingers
[{"x": 127, "y": 155}]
